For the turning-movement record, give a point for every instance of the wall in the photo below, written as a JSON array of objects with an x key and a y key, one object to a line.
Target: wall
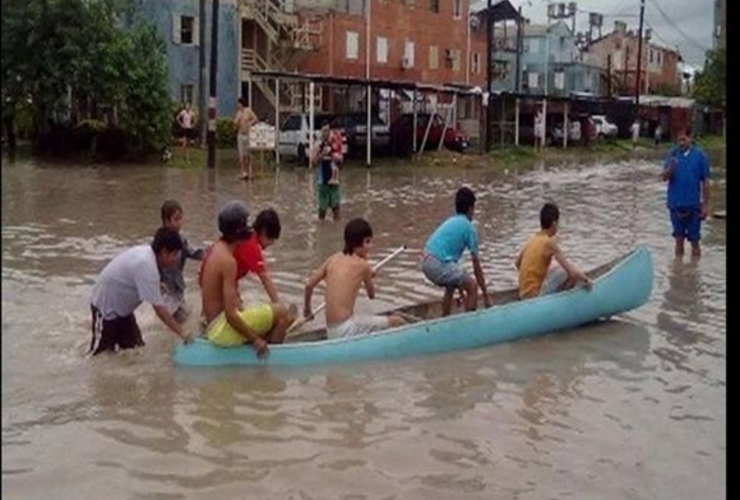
[
  {"x": 396, "y": 21},
  {"x": 183, "y": 65}
]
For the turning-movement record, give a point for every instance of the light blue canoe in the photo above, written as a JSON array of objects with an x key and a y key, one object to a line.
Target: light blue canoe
[{"x": 619, "y": 286}]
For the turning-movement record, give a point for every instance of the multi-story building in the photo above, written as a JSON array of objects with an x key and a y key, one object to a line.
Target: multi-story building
[
  {"x": 179, "y": 23},
  {"x": 616, "y": 54},
  {"x": 552, "y": 64}
]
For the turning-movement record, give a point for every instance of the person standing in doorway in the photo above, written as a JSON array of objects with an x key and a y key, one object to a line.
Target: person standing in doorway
[
  {"x": 243, "y": 121},
  {"x": 539, "y": 129},
  {"x": 686, "y": 170}
]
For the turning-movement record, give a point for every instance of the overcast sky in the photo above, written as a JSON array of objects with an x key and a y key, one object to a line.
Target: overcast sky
[{"x": 687, "y": 24}]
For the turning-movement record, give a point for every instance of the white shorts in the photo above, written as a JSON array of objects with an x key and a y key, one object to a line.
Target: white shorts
[
  {"x": 554, "y": 280},
  {"x": 242, "y": 144},
  {"x": 357, "y": 325}
]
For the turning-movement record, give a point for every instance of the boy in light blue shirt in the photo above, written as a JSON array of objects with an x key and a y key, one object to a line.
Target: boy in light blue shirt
[{"x": 443, "y": 250}]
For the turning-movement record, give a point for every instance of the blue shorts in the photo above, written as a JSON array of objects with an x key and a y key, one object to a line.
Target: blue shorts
[
  {"x": 686, "y": 223},
  {"x": 450, "y": 275}
]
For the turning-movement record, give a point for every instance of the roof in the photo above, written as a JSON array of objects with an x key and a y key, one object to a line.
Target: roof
[
  {"x": 659, "y": 100},
  {"x": 630, "y": 34},
  {"x": 456, "y": 88},
  {"x": 502, "y": 10}
]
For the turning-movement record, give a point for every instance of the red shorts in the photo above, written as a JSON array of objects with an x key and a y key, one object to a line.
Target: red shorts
[{"x": 108, "y": 333}]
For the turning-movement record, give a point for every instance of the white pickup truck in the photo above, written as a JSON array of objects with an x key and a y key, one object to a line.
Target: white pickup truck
[{"x": 604, "y": 128}]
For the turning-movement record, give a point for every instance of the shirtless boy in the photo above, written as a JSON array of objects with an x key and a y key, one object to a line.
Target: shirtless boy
[
  {"x": 345, "y": 272},
  {"x": 244, "y": 120},
  {"x": 228, "y": 325},
  {"x": 533, "y": 262}
]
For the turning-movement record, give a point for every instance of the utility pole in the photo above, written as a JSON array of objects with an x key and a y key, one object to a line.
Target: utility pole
[
  {"x": 212, "y": 100},
  {"x": 519, "y": 39},
  {"x": 489, "y": 69},
  {"x": 202, "y": 72},
  {"x": 639, "y": 60}
]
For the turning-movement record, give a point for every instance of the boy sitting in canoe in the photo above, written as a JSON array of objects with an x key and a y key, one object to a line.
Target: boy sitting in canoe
[
  {"x": 229, "y": 324},
  {"x": 533, "y": 262},
  {"x": 345, "y": 272},
  {"x": 444, "y": 248}
]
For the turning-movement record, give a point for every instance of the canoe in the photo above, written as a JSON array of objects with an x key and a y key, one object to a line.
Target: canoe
[{"x": 619, "y": 286}]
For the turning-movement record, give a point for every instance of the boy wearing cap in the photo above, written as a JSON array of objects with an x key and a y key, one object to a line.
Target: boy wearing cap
[{"x": 228, "y": 325}]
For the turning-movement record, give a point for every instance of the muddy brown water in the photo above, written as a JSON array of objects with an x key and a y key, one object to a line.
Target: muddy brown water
[{"x": 632, "y": 408}]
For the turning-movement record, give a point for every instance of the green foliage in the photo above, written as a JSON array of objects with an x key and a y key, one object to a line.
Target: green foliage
[
  {"x": 225, "y": 133},
  {"x": 72, "y": 59},
  {"x": 710, "y": 84}
]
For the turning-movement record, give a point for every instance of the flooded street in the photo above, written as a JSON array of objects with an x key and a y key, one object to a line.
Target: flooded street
[{"x": 634, "y": 408}]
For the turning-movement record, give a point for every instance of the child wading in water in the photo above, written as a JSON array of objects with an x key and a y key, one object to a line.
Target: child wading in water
[
  {"x": 172, "y": 281},
  {"x": 345, "y": 272}
]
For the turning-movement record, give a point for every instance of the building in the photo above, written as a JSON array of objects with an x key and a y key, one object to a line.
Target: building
[
  {"x": 720, "y": 24},
  {"x": 552, "y": 62},
  {"x": 178, "y": 22},
  {"x": 616, "y": 54}
]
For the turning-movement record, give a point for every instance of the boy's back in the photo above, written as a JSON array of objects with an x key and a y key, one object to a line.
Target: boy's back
[{"x": 344, "y": 277}]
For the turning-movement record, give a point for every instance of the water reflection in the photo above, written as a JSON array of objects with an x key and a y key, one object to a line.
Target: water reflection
[{"x": 629, "y": 407}]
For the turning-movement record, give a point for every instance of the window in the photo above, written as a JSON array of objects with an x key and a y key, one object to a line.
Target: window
[
  {"x": 433, "y": 57},
  {"x": 457, "y": 9},
  {"x": 186, "y": 94},
  {"x": 185, "y": 30},
  {"x": 352, "y": 45},
  {"x": 455, "y": 60},
  {"x": 534, "y": 80},
  {"x": 409, "y": 50},
  {"x": 434, "y": 5},
  {"x": 658, "y": 57},
  {"x": 559, "y": 80},
  {"x": 475, "y": 63},
  {"x": 651, "y": 56},
  {"x": 381, "y": 49}
]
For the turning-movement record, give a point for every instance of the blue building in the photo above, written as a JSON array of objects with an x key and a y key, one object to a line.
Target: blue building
[
  {"x": 552, "y": 64},
  {"x": 178, "y": 22}
]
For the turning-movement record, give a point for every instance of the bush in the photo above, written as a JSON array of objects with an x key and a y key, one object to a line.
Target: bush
[{"x": 225, "y": 133}]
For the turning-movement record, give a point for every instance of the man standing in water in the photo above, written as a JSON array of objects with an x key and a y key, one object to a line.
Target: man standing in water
[
  {"x": 244, "y": 120},
  {"x": 128, "y": 280},
  {"x": 328, "y": 155},
  {"x": 229, "y": 324},
  {"x": 686, "y": 170}
]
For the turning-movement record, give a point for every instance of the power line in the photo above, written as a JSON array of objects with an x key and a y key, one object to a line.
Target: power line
[{"x": 678, "y": 30}]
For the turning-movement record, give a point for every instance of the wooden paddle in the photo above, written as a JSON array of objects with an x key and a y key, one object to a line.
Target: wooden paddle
[{"x": 301, "y": 321}]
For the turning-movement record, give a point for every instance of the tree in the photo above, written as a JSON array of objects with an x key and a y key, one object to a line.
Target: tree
[
  {"x": 73, "y": 59},
  {"x": 709, "y": 84}
]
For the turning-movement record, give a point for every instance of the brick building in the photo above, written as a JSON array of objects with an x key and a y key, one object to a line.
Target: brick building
[{"x": 616, "y": 54}]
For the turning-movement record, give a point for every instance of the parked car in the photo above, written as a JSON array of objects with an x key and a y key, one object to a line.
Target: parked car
[
  {"x": 574, "y": 132},
  {"x": 294, "y": 134},
  {"x": 604, "y": 128},
  {"x": 355, "y": 128},
  {"x": 402, "y": 134}
]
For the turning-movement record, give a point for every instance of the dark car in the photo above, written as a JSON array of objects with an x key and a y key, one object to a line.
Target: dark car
[
  {"x": 402, "y": 134},
  {"x": 355, "y": 129}
]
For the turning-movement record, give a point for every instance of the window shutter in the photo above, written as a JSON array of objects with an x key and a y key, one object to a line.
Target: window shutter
[
  {"x": 196, "y": 31},
  {"x": 176, "y": 28}
]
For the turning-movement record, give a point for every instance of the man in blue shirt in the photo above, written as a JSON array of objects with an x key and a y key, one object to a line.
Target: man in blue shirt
[
  {"x": 443, "y": 250},
  {"x": 686, "y": 170}
]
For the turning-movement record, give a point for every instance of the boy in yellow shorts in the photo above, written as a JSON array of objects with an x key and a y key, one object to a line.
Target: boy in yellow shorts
[{"x": 228, "y": 325}]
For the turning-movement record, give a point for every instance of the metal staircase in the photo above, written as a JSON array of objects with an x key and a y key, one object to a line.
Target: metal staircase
[{"x": 291, "y": 37}]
